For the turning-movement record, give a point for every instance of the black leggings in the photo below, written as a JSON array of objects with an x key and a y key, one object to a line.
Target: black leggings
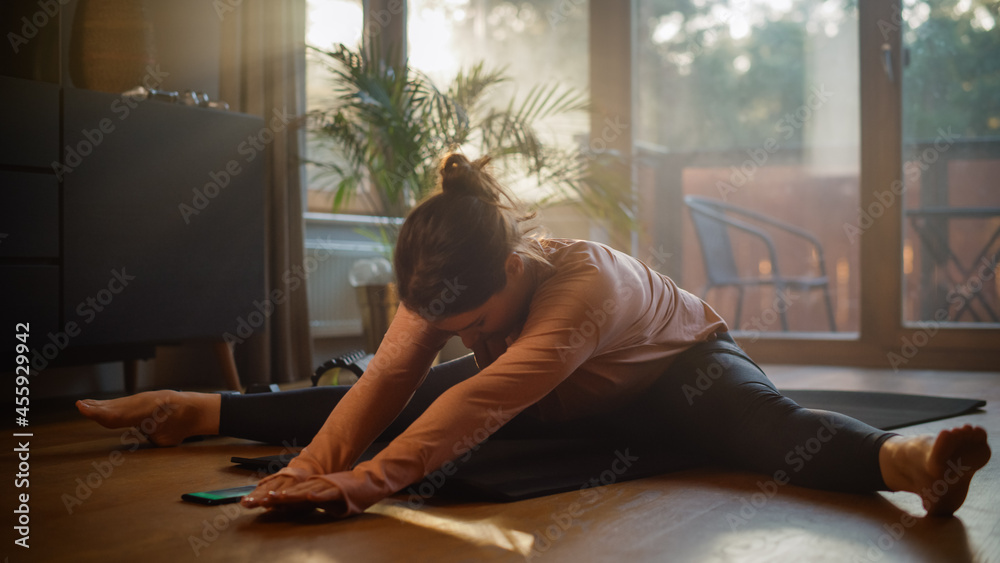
[{"x": 713, "y": 401}]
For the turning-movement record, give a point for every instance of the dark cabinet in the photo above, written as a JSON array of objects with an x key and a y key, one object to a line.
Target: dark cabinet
[
  {"x": 29, "y": 216},
  {"x": 147, "y": 227},
  {"x": 163, "y": 219},
  {"x": 29, "y": 119},
  {"x": 30, "y": 226},
  {"x": 123, "y": 223}
]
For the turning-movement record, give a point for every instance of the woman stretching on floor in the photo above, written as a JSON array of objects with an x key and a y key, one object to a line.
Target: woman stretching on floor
[{"x": 569, "y": 338}]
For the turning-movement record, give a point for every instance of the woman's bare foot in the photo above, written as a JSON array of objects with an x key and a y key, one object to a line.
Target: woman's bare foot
[
  {"x": 166, "y": 417},
  {"x": 938, "y": 468}
]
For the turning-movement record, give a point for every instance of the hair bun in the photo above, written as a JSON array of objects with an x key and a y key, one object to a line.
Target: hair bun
[
  {"x": 457, "y": 175},
  {"x": 455, "y": 161}
]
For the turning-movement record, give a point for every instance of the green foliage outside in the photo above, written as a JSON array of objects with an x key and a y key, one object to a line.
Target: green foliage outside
[
  {"x": 696, "y": 98},
  {"x": 388, "y": 125},
  {"x": 953, "y": 79}
]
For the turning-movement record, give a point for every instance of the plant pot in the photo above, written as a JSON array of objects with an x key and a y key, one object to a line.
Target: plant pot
[{"x": 377, "y": 304}]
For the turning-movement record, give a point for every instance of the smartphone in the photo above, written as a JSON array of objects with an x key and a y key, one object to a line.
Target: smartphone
[
  {"x": 268, "y": 464},
  {"x": 220, "y": 496}
]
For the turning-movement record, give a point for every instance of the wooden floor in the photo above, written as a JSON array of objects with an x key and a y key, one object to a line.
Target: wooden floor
[{"x": 94, "y": 499}]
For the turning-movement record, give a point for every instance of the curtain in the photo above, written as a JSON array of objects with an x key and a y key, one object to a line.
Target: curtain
[{"x": 262, "y": 73}]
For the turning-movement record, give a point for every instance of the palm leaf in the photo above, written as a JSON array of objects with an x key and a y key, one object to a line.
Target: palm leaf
[{"x": 389, "y": 125}]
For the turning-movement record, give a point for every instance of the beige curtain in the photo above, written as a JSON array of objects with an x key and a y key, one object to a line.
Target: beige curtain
[{"x": 263, "y": 74}]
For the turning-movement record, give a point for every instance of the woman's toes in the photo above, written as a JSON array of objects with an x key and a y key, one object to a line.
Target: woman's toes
[{"x": 957, "y": 454}]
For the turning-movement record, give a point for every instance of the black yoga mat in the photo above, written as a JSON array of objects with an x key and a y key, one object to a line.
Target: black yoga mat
[
  {"x": 887, "y": 411},
  {"x": 510, "y": 470}
]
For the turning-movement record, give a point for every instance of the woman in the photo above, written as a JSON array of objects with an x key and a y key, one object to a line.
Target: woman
[{"x": 568, "y": 337}]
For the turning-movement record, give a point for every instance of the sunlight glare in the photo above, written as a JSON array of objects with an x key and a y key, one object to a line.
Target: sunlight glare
[
  {"x": 983, "y": 19},
  {"x": 430, "y": 47},
  {"x": 476, "y": 532},
  {"x": 668, "y": 27},
  {"x": 741, "y": 63},
  {"x": 738, "y": 27},
  {"x": 333, "y": 21}
]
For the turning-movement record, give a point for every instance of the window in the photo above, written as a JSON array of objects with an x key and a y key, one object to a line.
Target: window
[
  {"x": 874, "y": 127},
  {"x": 529, "y": 41},
  {"x": 755, "y": 105},
  {"x": 951, "y": 162},
  {"x": 328, "y": 22}
]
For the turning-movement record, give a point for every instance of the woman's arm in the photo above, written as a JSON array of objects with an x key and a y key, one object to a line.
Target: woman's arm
[
  {"x": 398, "y": 367},
  {"x": 544, "y": 355}
]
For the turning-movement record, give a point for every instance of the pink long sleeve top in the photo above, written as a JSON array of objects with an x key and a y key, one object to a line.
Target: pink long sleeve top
[{"x": 601, "y": 327}]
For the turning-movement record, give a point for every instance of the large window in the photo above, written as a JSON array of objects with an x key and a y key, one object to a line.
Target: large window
[
  {"x": 951, "y": 162},
  {"x": 533, "y": 44},
  {"x": 824, "y": 169},
  {"x": 328, "y": 22},
  {"x": 749, "y": 113},
  {"x": 537, "y": 43}
]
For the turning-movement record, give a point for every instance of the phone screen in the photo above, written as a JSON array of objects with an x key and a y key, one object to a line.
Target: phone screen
[{"x": 220, "y": 496}]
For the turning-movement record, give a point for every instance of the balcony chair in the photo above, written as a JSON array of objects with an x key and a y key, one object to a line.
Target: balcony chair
[{"x": 712, "y": 220}]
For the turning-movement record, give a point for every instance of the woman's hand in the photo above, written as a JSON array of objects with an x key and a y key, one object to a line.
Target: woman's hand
[
  {"x": 271, "y": 485},
  {"x": 314, "y": 492}
]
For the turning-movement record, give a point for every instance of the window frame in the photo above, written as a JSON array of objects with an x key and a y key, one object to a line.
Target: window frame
[{"x": 882, "y": 338}]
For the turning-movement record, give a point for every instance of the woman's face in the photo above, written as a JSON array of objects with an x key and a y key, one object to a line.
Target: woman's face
[{"x": 500, "y": 315}]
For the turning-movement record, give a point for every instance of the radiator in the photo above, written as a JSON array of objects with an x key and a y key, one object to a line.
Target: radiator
[{"x": 333, "y": 306}]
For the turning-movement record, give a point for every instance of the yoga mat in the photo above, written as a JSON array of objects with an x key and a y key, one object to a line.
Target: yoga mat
[
  {"x": 886, "y": 411},
  {"x": 511, "y": 470}
]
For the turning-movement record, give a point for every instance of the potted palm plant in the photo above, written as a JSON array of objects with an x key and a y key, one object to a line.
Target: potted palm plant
[{"x": 389, "y": 124}]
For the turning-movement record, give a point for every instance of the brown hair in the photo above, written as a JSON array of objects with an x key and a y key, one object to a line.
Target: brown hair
[{"x": 452, "y": 248}]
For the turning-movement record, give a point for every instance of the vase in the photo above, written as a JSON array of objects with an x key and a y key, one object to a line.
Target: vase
[
  {"x": 112, "y": 45},
  {"x": 378, "y": 304}
]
